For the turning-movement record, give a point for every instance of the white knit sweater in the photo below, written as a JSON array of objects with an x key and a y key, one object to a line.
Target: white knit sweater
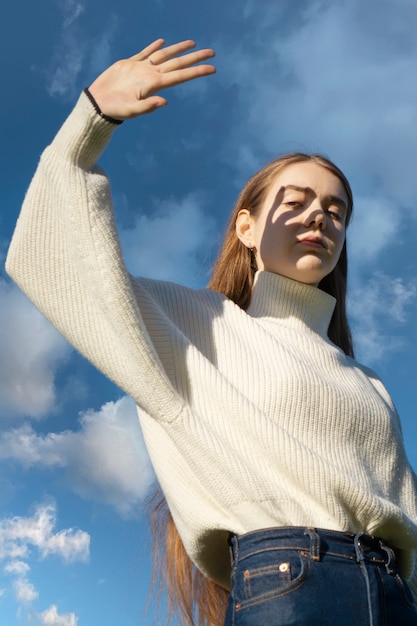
[{"x": 252, "y": 419}]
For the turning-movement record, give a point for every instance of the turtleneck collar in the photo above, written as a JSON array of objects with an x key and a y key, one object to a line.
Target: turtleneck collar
[{"x": 295, "y": 304}]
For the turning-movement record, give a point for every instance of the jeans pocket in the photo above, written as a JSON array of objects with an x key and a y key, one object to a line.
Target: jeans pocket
[
  {"x": 406, "y": 594},
  {"x": 396, "y": 587},
  {"x": 286, "y": 573}
]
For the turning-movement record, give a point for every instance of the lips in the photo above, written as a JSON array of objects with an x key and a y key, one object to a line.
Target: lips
[{"x": 313, "y": 242}]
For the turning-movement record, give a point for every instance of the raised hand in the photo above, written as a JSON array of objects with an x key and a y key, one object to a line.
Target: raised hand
[{"x": 126, "y": 89}]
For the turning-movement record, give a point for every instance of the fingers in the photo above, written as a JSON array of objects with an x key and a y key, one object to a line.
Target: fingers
[
  {"x": 161, "y": 55},
  {"x": 170, "y": 79},
  {"x": 171, "y": 60},
  {"x": 146, "y": 52},
  {"x": 172, "y": 65},
  {"x": 185, "y": 61}
]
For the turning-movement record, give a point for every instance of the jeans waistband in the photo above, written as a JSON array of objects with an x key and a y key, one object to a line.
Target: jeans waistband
[{"x": 317, "y": 541}]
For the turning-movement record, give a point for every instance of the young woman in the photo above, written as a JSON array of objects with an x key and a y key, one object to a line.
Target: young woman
[{"x": 281, "y": 458}]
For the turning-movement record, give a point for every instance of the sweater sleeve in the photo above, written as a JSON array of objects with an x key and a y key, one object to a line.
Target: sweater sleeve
[{"x": 65, "y": 255}]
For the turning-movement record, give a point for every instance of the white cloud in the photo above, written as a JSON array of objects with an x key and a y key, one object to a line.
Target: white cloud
[
  {"x": 77, "y": 49},
  {"x": 50, "y": 617},
  {"x": 68, "y": 58},
  {"x": 19, "y": 568},
  {"x": 106, "y": 460},
  {"x": 19, "y": 534},
  {"x": 62, "y": 79},
  {"x": 29, "y": 449},
  {"x": 168, "y": 244},
  {"x": 71, "y": 11},
  {"x": 379, "y": 308},
  {"x": 31, "y": 351},
  {"x": 24, "y": 591},
  {"x": 18, "y": 537}
]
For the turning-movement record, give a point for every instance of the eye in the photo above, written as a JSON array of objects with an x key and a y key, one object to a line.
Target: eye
[
  {"x": 293, "y": 203},
  {"x": 335, "y": 215}
]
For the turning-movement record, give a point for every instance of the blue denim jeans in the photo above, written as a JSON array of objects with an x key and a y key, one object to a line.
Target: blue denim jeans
[{"x": 312, "y": 577}]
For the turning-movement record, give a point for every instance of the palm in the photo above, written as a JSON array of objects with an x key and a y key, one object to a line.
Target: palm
[{"x": 127, "y": 88}]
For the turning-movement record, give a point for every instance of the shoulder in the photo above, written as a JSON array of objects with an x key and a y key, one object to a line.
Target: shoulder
[
  {"x": 377, "y": 383},
  {"x": 173, "y": 297},
  {"x": 369, "y": 373}
]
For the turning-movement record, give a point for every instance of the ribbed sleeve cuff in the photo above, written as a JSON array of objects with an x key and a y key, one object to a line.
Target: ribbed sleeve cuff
[{"x": 84, "y": 134}]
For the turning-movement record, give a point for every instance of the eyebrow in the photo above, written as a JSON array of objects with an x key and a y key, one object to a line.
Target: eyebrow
[{"x": 330, "y": 198}]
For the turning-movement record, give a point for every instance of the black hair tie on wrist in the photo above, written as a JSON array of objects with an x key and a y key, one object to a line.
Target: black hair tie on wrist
[{"x": 99, "y": 111}]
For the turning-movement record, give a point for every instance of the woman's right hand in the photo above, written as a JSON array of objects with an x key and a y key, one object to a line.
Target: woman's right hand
[{"x": 126, "y": 89}]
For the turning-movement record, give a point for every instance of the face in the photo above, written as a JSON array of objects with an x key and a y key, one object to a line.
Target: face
[{"x": 299, "y": 230}]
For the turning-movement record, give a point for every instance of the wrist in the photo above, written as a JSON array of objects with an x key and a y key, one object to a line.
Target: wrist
[{"x": 112, "y": 120}]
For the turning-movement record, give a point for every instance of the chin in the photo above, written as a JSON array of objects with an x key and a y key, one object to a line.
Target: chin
[{"x": 311, "y": 275}]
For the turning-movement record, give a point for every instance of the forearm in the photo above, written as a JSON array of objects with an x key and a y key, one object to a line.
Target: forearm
[{"x": 43, "y": 248}]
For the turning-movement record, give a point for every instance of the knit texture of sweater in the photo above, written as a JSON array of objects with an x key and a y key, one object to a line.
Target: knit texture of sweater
[{"x": 252, "y": 419}]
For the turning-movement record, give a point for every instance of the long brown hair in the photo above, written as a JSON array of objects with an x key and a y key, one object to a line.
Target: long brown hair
[
  {"x": 192, "y": 598},
  {"x": 195, "y": 599},
  {"x": 235, "y": 268}
]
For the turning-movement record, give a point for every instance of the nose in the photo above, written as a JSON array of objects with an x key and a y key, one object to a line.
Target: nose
[{"x": 315, "y": 215}]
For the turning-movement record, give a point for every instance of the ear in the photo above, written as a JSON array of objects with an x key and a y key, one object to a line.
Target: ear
[{"x": 244, "y": 228}]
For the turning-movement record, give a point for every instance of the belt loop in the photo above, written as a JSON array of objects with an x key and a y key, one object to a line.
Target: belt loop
[
  {"x": 314, "y": 543},
  {"x": 390, "y": 554},
  {"x": 358, "y": 548}
]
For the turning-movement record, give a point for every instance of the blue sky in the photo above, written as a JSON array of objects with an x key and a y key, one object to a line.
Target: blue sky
[{"x": 334, "y": 77}]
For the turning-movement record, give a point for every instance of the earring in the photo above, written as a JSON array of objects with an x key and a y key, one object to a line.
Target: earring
[{"x": 252, "y": 259}]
